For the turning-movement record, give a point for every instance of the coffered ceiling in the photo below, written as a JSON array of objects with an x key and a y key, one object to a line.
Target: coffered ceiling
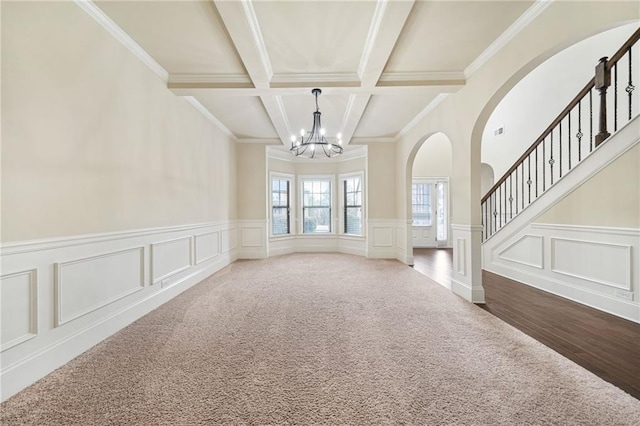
[{"x": 252, "y": 64}]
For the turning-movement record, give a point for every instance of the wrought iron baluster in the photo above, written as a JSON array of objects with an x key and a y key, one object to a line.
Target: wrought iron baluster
[
  {"x": 493, "y": 212},
  {"x": 505, "y": 202},
  {"x": 529, "y": 179},
  {"x": 579, "y": 134},
  {"x": 615, "y": 97},
  {"x": 516, "y": 173},
  {"x": 522, "y": 182},
  {"x": 510, "y": 198},
  {"x": 544, "y": 166},
  {"x": 590, "y": 120},
  {"x": 560, "y": 150},
  {"x": 569, "y": 138},
  {"x": 536, "y": 172},
  {"x": 551, "y": 160},
  {"x": 630, "y": 87},
  {"x": 500, "y": 203}
]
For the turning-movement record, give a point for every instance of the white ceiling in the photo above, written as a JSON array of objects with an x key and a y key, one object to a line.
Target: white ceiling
[{"x": 253, "y": 64}]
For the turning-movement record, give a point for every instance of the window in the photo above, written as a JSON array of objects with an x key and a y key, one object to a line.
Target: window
[
  {"x": 352, "y": 201},
  {"x": 316, "y": 206},
  {"x": 280, "y": 206},
  {"x": 421, "y": 204}
]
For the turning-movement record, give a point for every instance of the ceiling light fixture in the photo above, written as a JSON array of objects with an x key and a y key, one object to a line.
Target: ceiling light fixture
[{"x": 316, "y": 140}]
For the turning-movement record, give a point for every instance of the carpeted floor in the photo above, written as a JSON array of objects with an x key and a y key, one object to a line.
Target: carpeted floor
[{"x": 320, "y": 339}]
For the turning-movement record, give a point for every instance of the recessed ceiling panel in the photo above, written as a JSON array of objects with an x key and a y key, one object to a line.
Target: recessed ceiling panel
[
  {"x": 300, "y": 110},
  {"x": 244, "y": 116},
  {"x": 449, "y": 35},
  {"x": 314, "y": 36},
  {"x": 184, "y": 37},
  {"x": 386, "y": 114}
]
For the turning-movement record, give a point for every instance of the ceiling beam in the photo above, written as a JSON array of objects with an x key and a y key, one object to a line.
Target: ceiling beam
[
  {"x": 191, "y": 89},
  {"x": 389, "y": 18},
  {"x": 242, "y": 25}
]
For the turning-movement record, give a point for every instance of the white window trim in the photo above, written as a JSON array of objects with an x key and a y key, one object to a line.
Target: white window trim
[
  {"x": 341, "y": 179},
  {"x": 300, "y": 206},
  {"x": 292, "y": 205}
]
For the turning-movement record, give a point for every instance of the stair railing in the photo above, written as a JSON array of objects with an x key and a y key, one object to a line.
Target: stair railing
[{"x": 567, "y": 141}]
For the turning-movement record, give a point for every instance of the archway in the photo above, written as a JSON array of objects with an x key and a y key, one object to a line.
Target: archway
[
  {"x": 512, "y": 126},
  {"x": 430, "y": 184}
]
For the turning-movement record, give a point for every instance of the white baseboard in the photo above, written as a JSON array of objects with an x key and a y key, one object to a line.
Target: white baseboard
[{"x": 472, "y": 294}]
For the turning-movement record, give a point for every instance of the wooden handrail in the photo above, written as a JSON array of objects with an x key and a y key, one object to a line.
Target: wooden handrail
[
  {"x": 585, "y": 90},
  {"x": 620, "y": 53},
  {"x": 589, "y": 86}
]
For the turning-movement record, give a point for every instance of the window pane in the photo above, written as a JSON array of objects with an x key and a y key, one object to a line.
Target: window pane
[
  {"x": 317, "y": 219},
  {"x": 354, "y": 221},
  {"x": 316, "y": 206},
  {"x": 421, "y": 204},
  {"x": 351, "y": 199},
  {"x": 353, "y": 206},
  {"x": 280, "y": 211},
  {"x": 280, "y": 222}
]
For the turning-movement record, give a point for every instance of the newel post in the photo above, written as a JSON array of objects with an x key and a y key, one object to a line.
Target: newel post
[{"x": 602, "y": 82}]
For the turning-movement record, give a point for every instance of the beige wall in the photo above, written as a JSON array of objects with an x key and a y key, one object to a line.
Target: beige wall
[
  {"x": 434, "y": 158},
  {"x": 252, "y": 181},
  {"x": 382, "y": 180},
  {"x": 92, "y": 141},
  {"x": 610, "y": 198}
]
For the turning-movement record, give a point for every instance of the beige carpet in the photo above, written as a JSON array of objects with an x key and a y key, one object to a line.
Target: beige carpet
[{"x": 320, "y": 339}]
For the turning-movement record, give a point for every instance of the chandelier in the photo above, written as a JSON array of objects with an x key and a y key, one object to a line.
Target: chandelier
[{"x": 315, "y": 141}]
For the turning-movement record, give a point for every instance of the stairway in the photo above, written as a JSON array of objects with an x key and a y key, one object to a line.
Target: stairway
[{"x": 553, "y": 220}]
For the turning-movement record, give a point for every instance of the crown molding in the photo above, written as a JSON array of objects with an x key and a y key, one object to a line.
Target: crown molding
[
  {"x": 514, "y": 29},
  {"x": 252, "y": 19},
  {"x": 212, "y": 79},
  {"x": 422, "y": 78},
  {"x": 260, "y": 141},
  {"x": 331, "y": 79},
  {"x": 376, "y": 24},
  {"x": 364, "y": 140},
  {"x": 434, "y": 103},
  {"x": 118, "y": 33},
  {"x": 204, "y": 111}
]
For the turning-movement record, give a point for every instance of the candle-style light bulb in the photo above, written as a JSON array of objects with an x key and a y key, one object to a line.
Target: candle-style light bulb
[{"x": 301, "y": 132}]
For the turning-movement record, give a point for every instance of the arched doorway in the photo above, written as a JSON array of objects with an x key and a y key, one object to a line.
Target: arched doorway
[{"x": 430, "y": 186}]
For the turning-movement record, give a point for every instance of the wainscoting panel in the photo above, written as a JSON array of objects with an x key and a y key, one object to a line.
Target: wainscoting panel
[
  {"x": 170, "y": 257},
  {"x": 207, "y": 246},
  {"x": 62, "y": 296},
  {"x": 466, "y": 281},
  {"x": 19, "y": 304},
  {"x": 527, "y": 250},
  {"x": 603, "y": 263},
  {"x": 84, "y": 285},
  {"x": 384, "y": 238},
  {"x": 253, "y": 239},
  {"x": 596, "y": 266}
]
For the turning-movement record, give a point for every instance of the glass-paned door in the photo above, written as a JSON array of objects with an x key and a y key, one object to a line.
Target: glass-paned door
[{"x": 429, "y": 200}]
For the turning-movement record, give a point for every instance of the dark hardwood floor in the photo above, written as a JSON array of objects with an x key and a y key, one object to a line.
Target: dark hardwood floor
[{"x": 604, "y": 344}]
